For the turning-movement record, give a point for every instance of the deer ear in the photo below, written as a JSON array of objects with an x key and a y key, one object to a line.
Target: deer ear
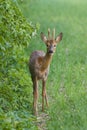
[
  {"x": 43, "y": 37},
  {"x": 59, "y": 37}
]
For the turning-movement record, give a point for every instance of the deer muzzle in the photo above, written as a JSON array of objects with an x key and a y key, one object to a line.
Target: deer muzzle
[{"x": 50, "y": 50}]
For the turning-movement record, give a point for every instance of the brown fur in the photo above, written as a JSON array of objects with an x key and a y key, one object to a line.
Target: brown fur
[{"x": 39, "y": 64}]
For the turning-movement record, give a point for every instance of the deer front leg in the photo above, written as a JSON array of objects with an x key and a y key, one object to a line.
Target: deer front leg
[
  {"x": 44, "y": 94},
  {"x": 35, "y": 96}
]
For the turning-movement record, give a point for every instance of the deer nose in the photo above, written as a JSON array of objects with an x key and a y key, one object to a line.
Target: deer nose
[{"x": 50, "y": 51}]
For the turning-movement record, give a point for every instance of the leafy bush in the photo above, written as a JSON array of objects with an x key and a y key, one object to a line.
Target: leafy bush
[
  {"x": 16, "y": 120},
  {"x": 15, "y": 83}
]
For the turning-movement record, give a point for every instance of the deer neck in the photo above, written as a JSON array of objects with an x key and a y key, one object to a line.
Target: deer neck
[{"x": 46, "y": 61}]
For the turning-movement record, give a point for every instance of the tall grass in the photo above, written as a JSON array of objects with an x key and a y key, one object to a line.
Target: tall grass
[{"x": 67, "y": 81}]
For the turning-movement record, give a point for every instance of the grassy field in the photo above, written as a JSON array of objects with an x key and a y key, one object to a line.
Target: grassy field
[{"x": 67, "y": 81}]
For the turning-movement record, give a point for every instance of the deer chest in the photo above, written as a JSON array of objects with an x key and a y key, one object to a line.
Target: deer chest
[{"x": 42, "y": 74}]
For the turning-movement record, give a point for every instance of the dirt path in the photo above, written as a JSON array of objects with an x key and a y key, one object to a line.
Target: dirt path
[{"x": 42, "y": 118}]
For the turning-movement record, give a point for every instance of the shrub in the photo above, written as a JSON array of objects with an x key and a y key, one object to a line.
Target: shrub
[{"x": 15, "y": 83}]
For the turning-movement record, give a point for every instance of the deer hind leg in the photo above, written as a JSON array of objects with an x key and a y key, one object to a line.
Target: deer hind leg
[
  {"x": 35, "y": 96},
  {"x": 44, "y": 94}
]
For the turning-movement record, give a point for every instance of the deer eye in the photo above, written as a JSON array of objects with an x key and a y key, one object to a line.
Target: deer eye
[
  {"x": 47, "y": 45},
  {"x": 54, "y": 45}
]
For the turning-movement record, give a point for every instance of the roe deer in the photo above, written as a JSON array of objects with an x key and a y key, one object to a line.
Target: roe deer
[{"x": 39, "y": 64}]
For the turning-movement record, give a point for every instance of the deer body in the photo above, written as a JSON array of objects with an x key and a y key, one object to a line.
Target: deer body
[{"x": 39, "y": 64}]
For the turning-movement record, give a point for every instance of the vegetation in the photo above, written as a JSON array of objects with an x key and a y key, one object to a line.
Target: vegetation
[
  {"x": 67, "y": 81},
  {"x": 15, "y": 83}
]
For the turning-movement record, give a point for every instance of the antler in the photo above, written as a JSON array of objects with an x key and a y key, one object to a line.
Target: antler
[
  {"x": 53, "y": 34},
  {"x": 48, "y": 33}
]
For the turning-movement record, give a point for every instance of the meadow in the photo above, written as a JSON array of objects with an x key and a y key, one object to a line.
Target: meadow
[{"x": 67, "y": 80}]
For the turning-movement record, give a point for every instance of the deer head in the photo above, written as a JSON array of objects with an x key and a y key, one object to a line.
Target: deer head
[{"x": 51, "y": 42}]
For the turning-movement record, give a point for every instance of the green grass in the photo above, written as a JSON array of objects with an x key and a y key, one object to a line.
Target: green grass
[{"x": 67, "y": 81}]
